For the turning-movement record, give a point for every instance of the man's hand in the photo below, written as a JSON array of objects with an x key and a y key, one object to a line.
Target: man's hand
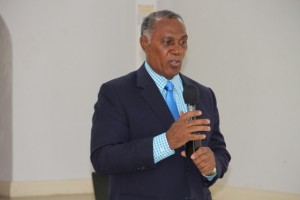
[
  {"x": 204, "y": 159},
  {"x": 181, "y": 130}
]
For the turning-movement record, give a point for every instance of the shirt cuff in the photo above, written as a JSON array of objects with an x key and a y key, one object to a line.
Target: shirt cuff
[
  {"x": 161, "y": 149},
  {"x": 211, "y": 177}
]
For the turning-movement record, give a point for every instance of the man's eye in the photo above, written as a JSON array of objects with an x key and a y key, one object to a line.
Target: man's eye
[
  {"x": 183, "y": 42},
  {"x": 167, "y": 42}
]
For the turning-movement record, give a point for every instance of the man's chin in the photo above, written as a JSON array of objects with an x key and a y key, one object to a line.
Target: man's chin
[{"x": 172, "y": 74}]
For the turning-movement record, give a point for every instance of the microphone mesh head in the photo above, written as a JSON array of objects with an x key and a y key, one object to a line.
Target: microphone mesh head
[{"x": 190, "y": 94}]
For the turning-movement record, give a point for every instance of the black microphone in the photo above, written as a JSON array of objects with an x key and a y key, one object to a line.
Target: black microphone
[{"x": 191, "y": 97}]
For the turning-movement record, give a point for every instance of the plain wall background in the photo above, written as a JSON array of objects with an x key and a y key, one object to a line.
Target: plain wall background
[
  {"x": 62, "y": 52},
  {"x": 5, "y": 103},
  {"x": 247, "y": 51}
]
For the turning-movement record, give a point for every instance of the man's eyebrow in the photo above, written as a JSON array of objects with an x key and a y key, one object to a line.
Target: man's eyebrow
[
  {"x": 172, "y": 37},
  {"x": 184, "y": 37}
]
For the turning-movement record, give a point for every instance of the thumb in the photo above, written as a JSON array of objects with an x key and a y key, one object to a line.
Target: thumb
[{"x": 183, "y": 154}]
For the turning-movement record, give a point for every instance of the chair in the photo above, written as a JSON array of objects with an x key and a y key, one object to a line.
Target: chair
[{"x": 100, "y": 184}]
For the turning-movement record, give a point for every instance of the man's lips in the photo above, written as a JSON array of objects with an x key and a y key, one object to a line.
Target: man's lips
[{"x": 175, "y": 63}]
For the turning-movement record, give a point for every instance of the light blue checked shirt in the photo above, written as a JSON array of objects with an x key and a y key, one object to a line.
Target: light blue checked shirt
[{"x": 161, "y": 149}]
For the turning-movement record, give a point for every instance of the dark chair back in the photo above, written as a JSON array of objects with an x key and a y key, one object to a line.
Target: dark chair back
[{"x": 100, "y": 184}]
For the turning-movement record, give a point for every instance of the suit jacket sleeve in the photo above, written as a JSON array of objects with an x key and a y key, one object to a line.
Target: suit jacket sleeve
[{"x": 217, "y": 144}]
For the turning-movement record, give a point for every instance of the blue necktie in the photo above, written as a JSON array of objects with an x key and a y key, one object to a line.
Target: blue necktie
[{"x": 170, "y": 100}]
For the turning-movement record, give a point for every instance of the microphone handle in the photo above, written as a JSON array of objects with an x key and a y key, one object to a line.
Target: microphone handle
[{"x": 192, "y": 146}]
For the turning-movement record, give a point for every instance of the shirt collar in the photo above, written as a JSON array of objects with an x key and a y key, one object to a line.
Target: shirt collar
[{"x": 161, "y": 81}]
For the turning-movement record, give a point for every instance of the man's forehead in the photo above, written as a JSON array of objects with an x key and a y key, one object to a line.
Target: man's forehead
[{"x": 172, "y": 36}]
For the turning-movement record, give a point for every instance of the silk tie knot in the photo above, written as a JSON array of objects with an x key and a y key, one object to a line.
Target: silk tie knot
[{"x": 169, "y": 86}]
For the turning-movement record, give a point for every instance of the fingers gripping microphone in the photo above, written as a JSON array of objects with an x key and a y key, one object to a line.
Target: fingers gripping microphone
[{"x": 191, "y": 97}]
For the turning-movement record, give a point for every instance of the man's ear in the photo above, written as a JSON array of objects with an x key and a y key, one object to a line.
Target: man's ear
[{"x": 144, "y": 42}]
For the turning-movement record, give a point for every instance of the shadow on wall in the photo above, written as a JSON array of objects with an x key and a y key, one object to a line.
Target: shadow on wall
[{"x": 5, "y": 105}]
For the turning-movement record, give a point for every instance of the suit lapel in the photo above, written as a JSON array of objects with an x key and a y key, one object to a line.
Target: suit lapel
[{"x": 153, "y": 97}]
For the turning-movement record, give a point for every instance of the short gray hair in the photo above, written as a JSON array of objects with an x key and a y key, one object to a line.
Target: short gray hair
[{"x": 148, "y": 22}]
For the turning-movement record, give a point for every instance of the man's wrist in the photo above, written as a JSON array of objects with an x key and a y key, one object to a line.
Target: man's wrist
[
  {"x": 211, "y": 175},
  {"x": 212, "y": 172}
]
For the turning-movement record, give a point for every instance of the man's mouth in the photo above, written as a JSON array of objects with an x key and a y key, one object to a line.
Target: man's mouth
[{"x": 175, "y": 63}]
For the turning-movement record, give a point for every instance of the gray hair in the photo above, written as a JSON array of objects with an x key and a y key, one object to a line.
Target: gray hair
[{"x": 148, "y": 22}]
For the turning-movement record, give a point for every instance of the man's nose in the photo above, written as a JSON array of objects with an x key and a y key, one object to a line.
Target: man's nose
[{"x": 178, "y": 50}]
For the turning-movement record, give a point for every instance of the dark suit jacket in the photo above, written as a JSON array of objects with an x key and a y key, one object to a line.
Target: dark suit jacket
[{"x": 130, "y": 111}]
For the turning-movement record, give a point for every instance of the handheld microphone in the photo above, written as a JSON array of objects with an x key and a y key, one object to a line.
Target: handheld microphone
[{"x": 191, "y": 97}]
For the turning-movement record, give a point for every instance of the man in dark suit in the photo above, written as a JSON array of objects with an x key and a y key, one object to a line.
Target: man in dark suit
[{"x": 140, "y": 142}]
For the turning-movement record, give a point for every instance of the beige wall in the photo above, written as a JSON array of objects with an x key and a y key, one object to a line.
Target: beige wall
[
  {"x": 5, "y": 103},
  {"x": 62, "y": 52}
]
